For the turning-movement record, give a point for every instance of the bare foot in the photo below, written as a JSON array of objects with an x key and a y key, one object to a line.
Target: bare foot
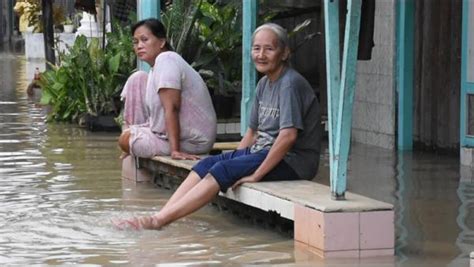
[{"x": 138, "y": 223}]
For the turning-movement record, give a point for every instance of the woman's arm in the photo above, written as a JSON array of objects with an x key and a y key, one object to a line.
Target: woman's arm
[
  {"x": 248, "y": 139},
  {"x": 285, "y": 140},
  {"x": 171, "y": 101}
]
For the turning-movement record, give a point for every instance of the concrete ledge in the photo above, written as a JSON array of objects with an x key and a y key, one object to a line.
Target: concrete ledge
[
  {"x": 311, "y": 195},
  {"x": 355, "y": 227},
  {"x": 467, "y": 156},
  {"x": 305, "y": 193},
  {"x": 132, "y": 173}
]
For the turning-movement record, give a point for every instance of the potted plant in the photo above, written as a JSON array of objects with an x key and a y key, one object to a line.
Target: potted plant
[
  {"x": 68, "y": 25},
  {"x": 89, "y": 78}
]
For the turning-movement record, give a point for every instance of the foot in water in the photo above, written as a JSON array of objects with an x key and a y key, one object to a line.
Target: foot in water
[{"x": 138, "y": 223}]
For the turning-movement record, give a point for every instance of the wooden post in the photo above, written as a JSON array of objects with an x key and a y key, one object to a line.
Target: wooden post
[
  {"x": 467, "y": 82},
  {"x": 333, "y": 73},
  {"x": 147, "y": 9},
  {"x": 346, "y": 97},
  {"x": 341, "y": 96},
  {"x": 249, "y": 20},
  {"x": 104, "y": 22},
  {"x": 405, "y": 71},
  {"x": 10, "y": 16},
  {"x": 48, "y": 32}
]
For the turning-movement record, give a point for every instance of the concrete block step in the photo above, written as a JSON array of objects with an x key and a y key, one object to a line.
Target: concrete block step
[{"x": 356, "y": 227}]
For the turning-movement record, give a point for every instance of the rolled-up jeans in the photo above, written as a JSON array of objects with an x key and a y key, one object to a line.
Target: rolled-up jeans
[{"x": 227, "y": 168}]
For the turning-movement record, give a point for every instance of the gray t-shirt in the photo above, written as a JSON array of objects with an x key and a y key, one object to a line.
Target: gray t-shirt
[{"x": 289, "y": 101}]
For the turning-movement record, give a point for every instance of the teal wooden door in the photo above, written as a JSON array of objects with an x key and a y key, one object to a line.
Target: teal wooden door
[{"x": 467, "y": 76}]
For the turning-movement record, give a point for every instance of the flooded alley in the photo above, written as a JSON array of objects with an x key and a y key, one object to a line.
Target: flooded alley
[{"x": 60, "y": 186}]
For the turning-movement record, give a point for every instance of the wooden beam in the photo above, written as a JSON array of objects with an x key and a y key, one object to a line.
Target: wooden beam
[
  {"x": 405, "y": 72},
  {"x": 249, "y": 21},
  {"x": 333, "y": 72},
  {"x": 147, "y": 9},
  {"x": 346, "y": 98},
  {"x": 341, "y": 87},
  {"x": 467, "y": 85},
  {"x": 10, "y": 16}
]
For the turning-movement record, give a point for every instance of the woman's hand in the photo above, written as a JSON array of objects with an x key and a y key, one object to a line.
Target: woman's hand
[
  {"x": 285, "y": 140},
  {"x": 183, "y": 155},
  {"x": 253, "y": 178}
]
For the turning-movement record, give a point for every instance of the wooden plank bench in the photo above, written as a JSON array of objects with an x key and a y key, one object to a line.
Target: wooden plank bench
[
  {"x": 225, "y": 146},
  {"x": 356, "y": 227}
]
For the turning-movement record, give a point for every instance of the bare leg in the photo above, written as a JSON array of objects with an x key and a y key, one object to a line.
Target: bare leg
[
  {"x": 124, "y": 144},
  {"x": 191, "y": 180},
  {"x": 194, "y": 199},
  {"x": 199, "y": 195}
]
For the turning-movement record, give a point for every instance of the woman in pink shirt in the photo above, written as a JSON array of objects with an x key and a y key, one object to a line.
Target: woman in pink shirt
[{"x": 169, "y": 110}]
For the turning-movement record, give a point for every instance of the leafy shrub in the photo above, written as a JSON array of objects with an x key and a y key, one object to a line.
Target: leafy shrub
[
  {"x": 88, "y": 78},
  {"x": 208, "y": 35}
]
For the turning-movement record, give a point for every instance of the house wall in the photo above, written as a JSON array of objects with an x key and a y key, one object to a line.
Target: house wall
[{"x": 374, "y": 112}]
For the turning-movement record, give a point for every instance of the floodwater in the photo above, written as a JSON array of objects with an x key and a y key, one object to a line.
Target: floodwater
[{"x": 60, "y": 186}]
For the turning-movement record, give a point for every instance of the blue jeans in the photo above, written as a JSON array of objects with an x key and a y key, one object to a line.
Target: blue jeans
[{"x": 227, "y": 168}]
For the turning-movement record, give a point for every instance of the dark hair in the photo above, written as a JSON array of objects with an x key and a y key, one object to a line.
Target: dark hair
[{"x": 156, "y": 27}]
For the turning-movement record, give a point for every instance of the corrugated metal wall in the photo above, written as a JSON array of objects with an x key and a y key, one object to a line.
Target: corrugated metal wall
[{"x": 437, "y": 74}]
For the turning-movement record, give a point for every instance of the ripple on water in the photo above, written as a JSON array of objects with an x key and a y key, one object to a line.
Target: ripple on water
[
  {"x": 259, "y": 257},
  {"x": 61, "y": 186}
]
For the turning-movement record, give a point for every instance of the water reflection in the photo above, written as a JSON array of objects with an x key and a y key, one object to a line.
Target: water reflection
[
  {"x": 465, "y": 219},
  {"x": 60, "y": 185}
]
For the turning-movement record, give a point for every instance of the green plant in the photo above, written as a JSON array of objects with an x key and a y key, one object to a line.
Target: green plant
[
  {"x": 89, "y": 78},
  {"x": 32, "y": 10},
  {"x": 271, "y": 10},
  {"x": 208, "y": 35},
  {"x": 180, "y": 20},
  {"x": 220, "y": 29}
]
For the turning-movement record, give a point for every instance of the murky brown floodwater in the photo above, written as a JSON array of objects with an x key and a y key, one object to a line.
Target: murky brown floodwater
[{"x": 60, "y": 185}]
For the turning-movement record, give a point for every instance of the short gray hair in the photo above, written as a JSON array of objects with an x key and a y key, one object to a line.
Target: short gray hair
[{"x": 280, "y": 32}]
